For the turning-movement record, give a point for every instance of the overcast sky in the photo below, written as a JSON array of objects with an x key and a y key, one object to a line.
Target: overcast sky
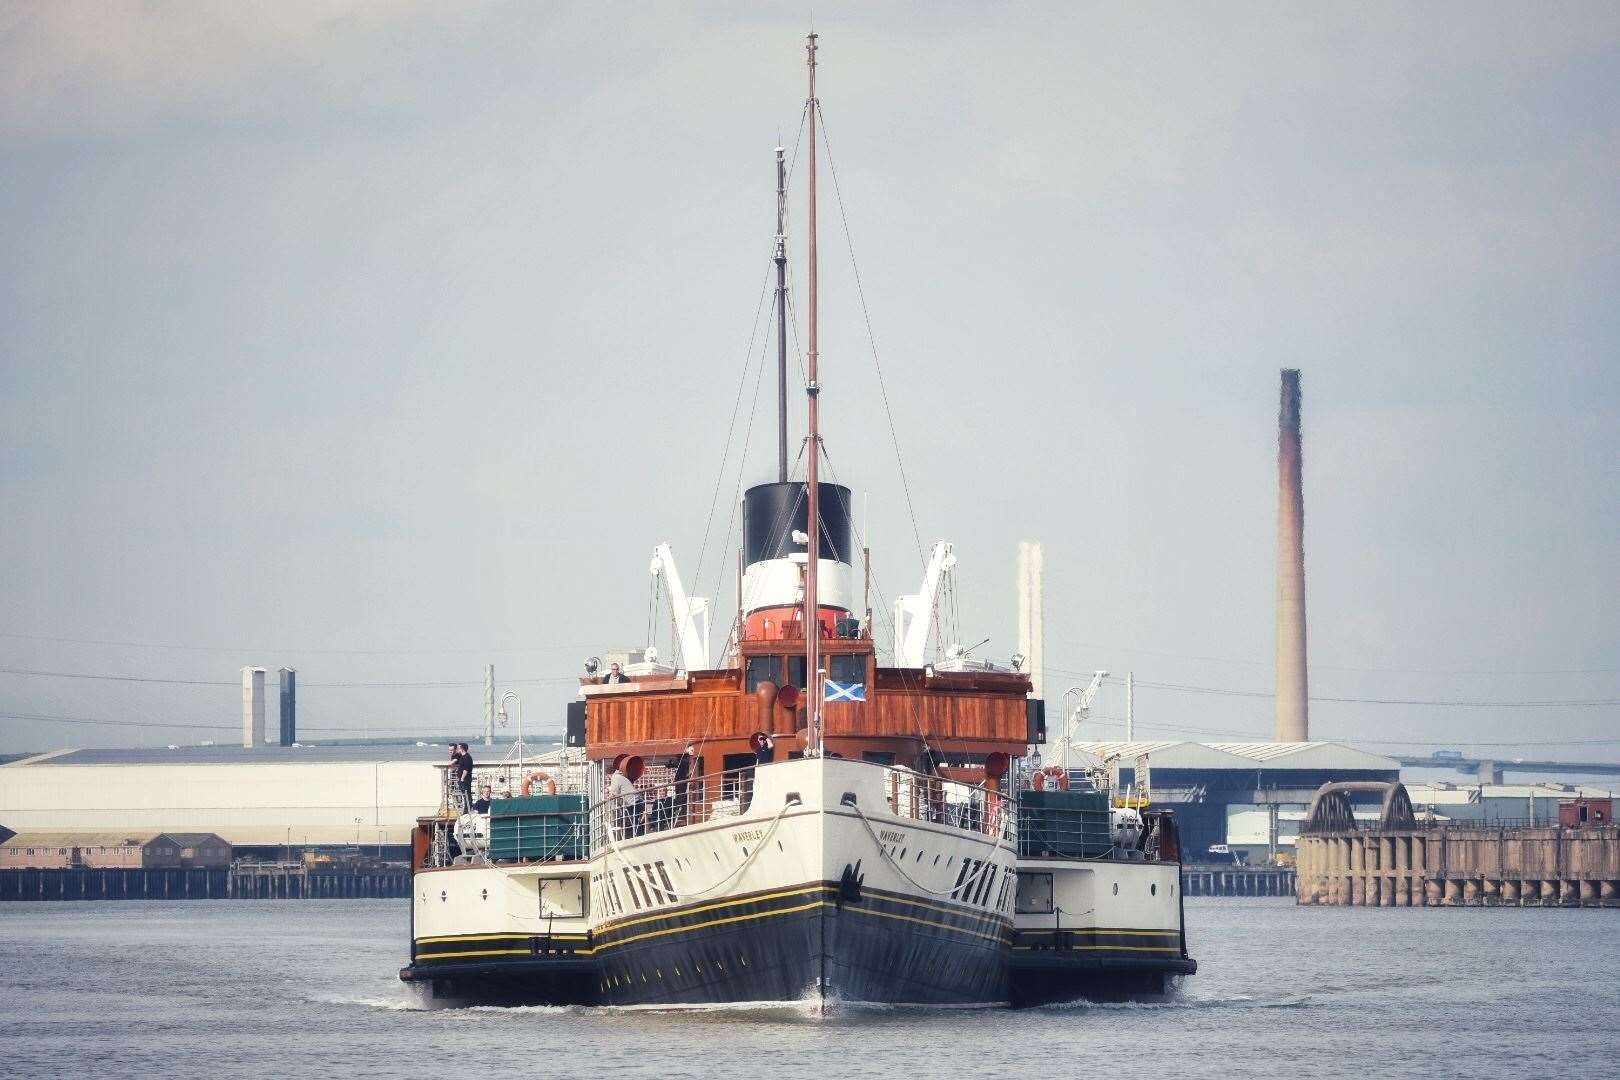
[{"x": 386, "y": 341}]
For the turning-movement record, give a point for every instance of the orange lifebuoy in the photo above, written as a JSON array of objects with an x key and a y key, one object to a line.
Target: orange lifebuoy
[
  {"x": 551, "y": 785},
  {"x": 1060, "y": 775}
]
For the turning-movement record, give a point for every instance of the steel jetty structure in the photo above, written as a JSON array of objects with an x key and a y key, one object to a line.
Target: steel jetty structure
[{"x": 797, "y": 822}]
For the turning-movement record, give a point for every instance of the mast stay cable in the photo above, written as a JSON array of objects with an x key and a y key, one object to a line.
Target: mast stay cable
[{"x": 871, "y": 337}]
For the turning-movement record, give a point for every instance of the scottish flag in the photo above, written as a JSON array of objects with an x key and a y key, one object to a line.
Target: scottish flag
[{"x": 845, "y": 691}]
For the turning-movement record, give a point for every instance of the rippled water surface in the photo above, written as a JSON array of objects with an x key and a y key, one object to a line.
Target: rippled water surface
[{"x": 232, "y": 988}]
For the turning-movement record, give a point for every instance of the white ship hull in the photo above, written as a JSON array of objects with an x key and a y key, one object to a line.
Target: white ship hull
[{"x": 817, "y": 891}]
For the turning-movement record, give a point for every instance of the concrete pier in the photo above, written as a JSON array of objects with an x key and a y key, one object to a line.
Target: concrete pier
[
  {"x": 1227, "y": 879},
  {"x": 1460, "y": 866}
]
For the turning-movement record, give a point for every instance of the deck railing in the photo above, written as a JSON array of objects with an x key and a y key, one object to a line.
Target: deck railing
[
  {"x": 505, "y": 780},
  {"x": 715, "y": 796}
]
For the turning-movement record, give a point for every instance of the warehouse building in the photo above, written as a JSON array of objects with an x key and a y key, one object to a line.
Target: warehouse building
[
  {"x": 1220, "y": 792},
  {"x": 266, "y": 801}
]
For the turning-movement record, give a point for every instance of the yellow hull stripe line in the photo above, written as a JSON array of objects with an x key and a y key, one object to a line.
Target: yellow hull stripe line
[
  {"x": 711, "y": 922},
  {"x": 963, "y": 911},
  {"x": 673, "y": 913},
  {"x": 729, "y": 920},
  {"x": 999, "y": 939},
  {"x": 469, "y": 938},
  {"x": 1104, "y": 930},
  {"x": 1103, "y": 948}
]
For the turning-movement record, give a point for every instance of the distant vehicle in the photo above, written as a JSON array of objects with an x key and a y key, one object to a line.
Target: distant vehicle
[
  {"x": 1447, "y": 755},
  {"x": 1223, "y": 853}
]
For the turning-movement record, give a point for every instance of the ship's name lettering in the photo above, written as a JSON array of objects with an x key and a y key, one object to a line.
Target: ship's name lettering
[
  {"x": 892, "y": 837},
  {"x": 749, "y": 836}
]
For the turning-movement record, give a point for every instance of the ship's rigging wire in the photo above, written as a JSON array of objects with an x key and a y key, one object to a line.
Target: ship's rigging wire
[
  {"x": 731, "y": 427},
  {"x": 565, "y": 648},
  {"x": 742, "y": 381},
  {"x": 1579, "y": 703},
  {"x": 871, "y": 337},
  {"x": 742, "y": 470}
]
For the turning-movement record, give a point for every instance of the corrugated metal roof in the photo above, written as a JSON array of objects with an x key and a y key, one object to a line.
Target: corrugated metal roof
[
  {"x": 1243, "y": 755},
  {"x": 192, "y": 839},
  {"x": 270, "y": 755},
  {"x": 81, "y": 839},
  {"x": 1308, "y": 755},
  {"x": 1167, "y": 755}
]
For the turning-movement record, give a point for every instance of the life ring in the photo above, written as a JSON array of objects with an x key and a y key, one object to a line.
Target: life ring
[
  {"x": 551, "y": 785},
  {"x": 1060, "y": 775}
]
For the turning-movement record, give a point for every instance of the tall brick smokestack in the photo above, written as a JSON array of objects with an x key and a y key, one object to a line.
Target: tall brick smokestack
[{"x": 1292, "y": 695}]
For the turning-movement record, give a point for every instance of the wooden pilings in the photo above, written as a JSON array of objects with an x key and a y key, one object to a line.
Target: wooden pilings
[
  {"x": 243, "y": 881},
  {"x": 1459, "y": 866}
]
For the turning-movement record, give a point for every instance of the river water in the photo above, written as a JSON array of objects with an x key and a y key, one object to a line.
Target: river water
[{"x": 270, "y": 989}]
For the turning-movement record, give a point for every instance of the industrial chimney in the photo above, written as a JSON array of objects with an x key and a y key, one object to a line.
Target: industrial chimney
[
  {"x": 252, "y": 707},
  {"x": 1292, "y": 695},
  {"x": 289, "y": 706}
]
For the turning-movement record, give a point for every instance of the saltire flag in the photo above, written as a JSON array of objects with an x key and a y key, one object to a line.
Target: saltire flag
[{"x": 845, "y": 691}]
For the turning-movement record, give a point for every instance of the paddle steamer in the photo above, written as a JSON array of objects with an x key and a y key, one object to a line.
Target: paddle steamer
[{"x": 800, "y": 821}]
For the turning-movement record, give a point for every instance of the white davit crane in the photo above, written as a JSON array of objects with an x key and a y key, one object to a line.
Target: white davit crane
[
  {"x": 691, "y": 612},
  {"x": 1081, "y": 713},
  {"x": 914, "y": 615}
]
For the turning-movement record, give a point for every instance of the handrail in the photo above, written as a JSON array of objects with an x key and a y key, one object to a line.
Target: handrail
[
  {"x": 505, "y": 780},
  {"x": 727, "y": 793}
]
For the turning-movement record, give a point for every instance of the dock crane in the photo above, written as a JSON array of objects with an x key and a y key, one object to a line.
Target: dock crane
[
  {"x": 1081, "y": 713},
  {"x": 691, "y": 612},
  {"x": 914, "y": 614}
]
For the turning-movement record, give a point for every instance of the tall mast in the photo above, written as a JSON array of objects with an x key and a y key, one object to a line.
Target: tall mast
[
  {"x": 812, "y": 613},
  {"x": 781, "y": 317}
]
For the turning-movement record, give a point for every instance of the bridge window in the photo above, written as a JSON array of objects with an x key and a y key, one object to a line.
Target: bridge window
[
  {"x": 847, "y": 668},
  {"x": 763, "y": 669},
  {"x": 796, "y": 672}
]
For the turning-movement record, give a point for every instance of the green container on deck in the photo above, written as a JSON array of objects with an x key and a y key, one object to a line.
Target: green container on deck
[
  {"x": 1065, "y": 824},
  {"x": 538, "y": 827}
]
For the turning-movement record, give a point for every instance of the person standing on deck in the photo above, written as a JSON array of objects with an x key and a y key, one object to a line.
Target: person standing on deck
[
  {"x": 683, "y": 777},
  {"x": 621, "y": 790},
  {"x": 464, "y": 774}
]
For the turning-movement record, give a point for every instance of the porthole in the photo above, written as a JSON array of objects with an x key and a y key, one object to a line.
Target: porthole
[
  {"x": 1153, "y": 890},
  {"x": 1116, "y": 888}
]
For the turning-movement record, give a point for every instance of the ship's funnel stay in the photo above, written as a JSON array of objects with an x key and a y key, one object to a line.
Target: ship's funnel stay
[{"x": 774, "y": 560}]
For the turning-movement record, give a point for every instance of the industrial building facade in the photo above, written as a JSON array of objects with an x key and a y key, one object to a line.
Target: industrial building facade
[
  {"x": 1219, "y": 790},
  {"x": 267, "y": 800},
  {"x": 105, "y": 851}
]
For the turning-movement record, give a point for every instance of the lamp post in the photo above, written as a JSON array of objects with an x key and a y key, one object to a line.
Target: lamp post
[{"x": 503, "y": 714}]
